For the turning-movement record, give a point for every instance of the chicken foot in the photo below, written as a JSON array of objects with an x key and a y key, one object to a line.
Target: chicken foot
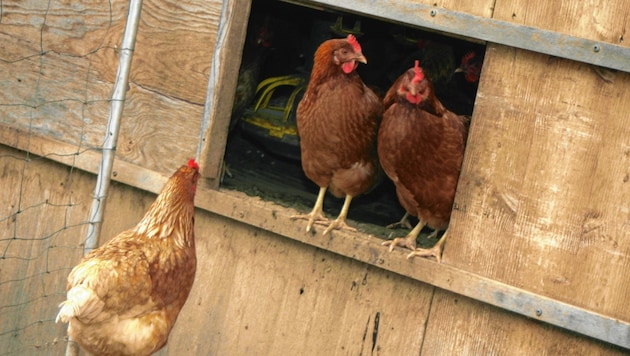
[
  {"x": 408, "y": 241},
  {"x": 317, "y": 214},
  {"x": 340, "y": 222},
  {"x": 404, "y": 222},
  {"x": 435, "y": 251}
]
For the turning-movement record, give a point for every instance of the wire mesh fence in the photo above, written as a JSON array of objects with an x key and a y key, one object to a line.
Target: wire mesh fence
[
  {"x": 44, "y": 227},
  {"x": 58, "y": 65}
]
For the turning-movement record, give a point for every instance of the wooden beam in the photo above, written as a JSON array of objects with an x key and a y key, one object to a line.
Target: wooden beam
[
  {"x": 354, "y": 245},
  {"x": 553, "y": 43},
  {"x": 84, "y": 158},
  {"x": 221, "y": 87}
]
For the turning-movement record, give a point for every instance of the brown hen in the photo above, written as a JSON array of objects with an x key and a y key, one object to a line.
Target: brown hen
[
  {"x": 337, "y": 122},
  {"x": 124, "y": 297},
  {"x": 421, "y": 148}
]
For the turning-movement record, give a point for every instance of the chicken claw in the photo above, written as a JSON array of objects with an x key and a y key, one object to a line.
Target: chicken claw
[
  {"x": 340, "y": 222},
  {"x": 404, "y": 222},
  {"x": 435, "y": 251},
  {"x": 338, "y": 225},
  {"x": 433, "y": 234},
  {"x": 408, "y": 241},
  {"x": 317, "y": 214},
  {"x": 312, "y": 218}
]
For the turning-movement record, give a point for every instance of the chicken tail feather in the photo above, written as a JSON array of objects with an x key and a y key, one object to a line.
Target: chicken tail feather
[
  {"x": 66, "y": 312},
  {"x": 80, "y": 300}
]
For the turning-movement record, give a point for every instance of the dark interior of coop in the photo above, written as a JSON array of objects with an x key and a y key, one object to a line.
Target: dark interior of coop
[{"x": 262, "y": 156}]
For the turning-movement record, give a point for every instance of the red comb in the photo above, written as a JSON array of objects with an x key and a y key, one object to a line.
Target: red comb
[
  {"x": 468, "y": 56},
  {"x": 419, "y": 74},
  {"x": 355, "y": 44},
  {"x": 192, "y": 164}
]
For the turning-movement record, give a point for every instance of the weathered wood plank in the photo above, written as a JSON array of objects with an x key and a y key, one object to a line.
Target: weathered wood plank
[
  {"x": 32, "y": 28},
  {"x": 478, "y": 8},
  {"x": 85, "y": 159},
  {"x": 43, "y": 222},
  {"x": 461, "y": 326},
  {"x": 174, "y": 49},
  {"x": 221, "y": 87},
  {"x": 62, "y": 90},
  {"x": 159, "y": 138},
  {"x": 547, "y": 173},
  {"x": 53, "y": 95},
  {"x": 542, "y": 201},
  {"x": 264, "y": 267},
  {"x": 612, "y": 52},
  {"x": 76, "y": 110},
  {"x": 264, "y": 295},
  {"x": 254, "y": 292},
  {"x": 605, "y": 22}
]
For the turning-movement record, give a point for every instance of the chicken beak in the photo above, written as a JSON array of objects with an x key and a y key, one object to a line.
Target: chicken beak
[{"x": 361, "y": 58}]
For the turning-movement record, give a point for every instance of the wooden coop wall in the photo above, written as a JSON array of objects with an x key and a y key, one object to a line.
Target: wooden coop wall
[
  {"x": 544, "y": 194},
  {"x": 542, "y": 203},
  {"x": 60, "y": 60}
]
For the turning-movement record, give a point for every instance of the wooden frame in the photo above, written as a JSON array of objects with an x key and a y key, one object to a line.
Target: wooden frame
[
  {"x": 491, "y": 30},
  {"x": 221, "y": 87}
]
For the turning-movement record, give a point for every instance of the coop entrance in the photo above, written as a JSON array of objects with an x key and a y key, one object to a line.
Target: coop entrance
[{"x": 262, "y": 152}]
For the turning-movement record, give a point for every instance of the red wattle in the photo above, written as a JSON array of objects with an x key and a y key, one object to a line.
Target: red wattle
[
  {"x": 348, "y": 67},
  {"x": 413, "y": 99}
]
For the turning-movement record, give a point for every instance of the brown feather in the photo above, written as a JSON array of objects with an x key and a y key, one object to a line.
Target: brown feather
[
  {"x": 421, "y": 148},
  {"x": 338, "y": 120}
]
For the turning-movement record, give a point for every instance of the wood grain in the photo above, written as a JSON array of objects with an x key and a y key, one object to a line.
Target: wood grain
[
  {"x": 542, "y": 202},
  {"x": 174, "y": 49},
  {"x": 479, "y": 8},
  {"x": 267, "y": 296},
  {"x": 460, "y": 326},
  {"x": 221, "y": 87},
  {"x": 62, "y": 90},
  {"x": 599, "y": 21}
]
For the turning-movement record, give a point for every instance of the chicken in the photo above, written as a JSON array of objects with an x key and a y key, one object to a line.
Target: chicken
[
  {"x": 437, "y": 57},
  {"x": 421, "y": 148},
  {"x": 462, "y": 88},
  {"x": 337, "y": 122},
  {"x": 455, "y": 86},
  {"x": 124, "y": 297},
  {"x": 470, "y": 66}
]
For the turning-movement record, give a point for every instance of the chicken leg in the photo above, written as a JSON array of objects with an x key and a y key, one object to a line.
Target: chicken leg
[
  {"x": 404, "y": 222},
  {"x": 340, "y": 222},
  {"x": 317, "y": 213},
  {"x": 408, "y": 241},
  {"x": 435, "y": 251}
]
